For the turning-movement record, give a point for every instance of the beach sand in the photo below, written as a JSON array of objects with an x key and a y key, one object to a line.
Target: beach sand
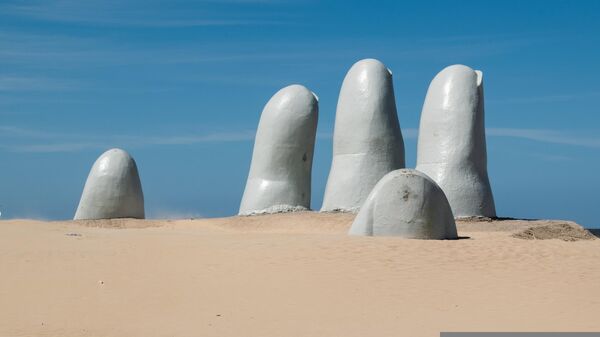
[{"x": 290, "y": 275}]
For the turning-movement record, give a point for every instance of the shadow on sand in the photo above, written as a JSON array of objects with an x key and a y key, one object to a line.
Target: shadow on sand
[{"x": 594, "y": 231}]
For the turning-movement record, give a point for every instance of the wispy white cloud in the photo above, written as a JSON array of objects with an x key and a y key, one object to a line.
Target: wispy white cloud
[
  {"x": 16, "y": 139},
  {"x": 410, "y": 133},
  {"x": 55, "y": 51},
  {"x": 54, "y": 147},
  {"x": 21, "y": 83},
  {"x": 552, "y": 157},
  {"x": 538, "y": 135},
  {"x": 16, "y": 131},
  {"x": 239, "y": 136},
  {"x": 133, "y": 14},
  {"x": 407, "y": 133},
  {"x": 546, "y": 136},
  {"x": 546, "y": 98},
  {"x": 325, "y": 135}
]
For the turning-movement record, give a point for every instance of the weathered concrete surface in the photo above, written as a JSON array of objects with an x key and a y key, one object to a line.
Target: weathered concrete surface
[
  {"x": 113, "y": 189},
  {"x": 406, "y": 203},
  {"x": 451, "y": 147},
  {"x": 367, "y": 142},
  {"x": 280, "y": 172}
]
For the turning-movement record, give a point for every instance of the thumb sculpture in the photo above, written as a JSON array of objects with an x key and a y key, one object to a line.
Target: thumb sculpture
[
  {"x": 451, "y": 147},
  {"x": 112, "y": 189},
  {"x": 408, "y": 204},
  {"x": 280, "y": 171},
  {"x": 367, "y": 142}
]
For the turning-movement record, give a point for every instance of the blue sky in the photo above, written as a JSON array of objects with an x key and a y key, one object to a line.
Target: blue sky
[{"x": 181, "y": 84}]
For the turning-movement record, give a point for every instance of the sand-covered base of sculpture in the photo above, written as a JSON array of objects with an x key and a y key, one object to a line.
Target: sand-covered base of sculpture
[{"x": 296, "y": 274}]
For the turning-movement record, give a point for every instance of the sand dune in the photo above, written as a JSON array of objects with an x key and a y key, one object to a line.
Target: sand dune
[{"x": 288, "y": 275}]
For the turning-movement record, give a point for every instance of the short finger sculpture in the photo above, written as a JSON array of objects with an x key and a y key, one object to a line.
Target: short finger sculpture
[
  {"x": 280, "y": 171},
  {"x": 451, "y": 147},
  {"x": 408, "y": 204},
  {"x": 112, "y": 189},
  {"x": 367, "y": 142}
]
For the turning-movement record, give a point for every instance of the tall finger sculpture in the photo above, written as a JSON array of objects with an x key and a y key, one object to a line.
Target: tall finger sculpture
[
  {"x": 451, "y": 147},
  {"x": 367, "y": 142},
  {"x": 280, "y": 171}
]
